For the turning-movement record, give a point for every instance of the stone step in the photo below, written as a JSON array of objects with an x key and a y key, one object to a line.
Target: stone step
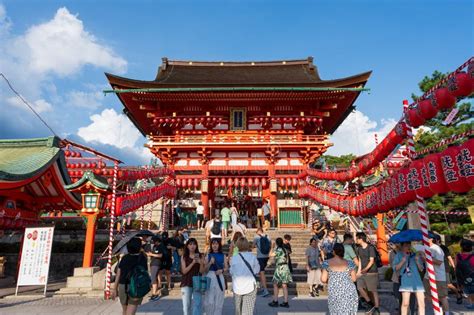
[
  {"x": 79, "y": 282},
  {"x": 85, "y": 272}
]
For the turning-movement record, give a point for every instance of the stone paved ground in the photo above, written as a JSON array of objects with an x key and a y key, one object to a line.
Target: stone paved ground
[{"x": 32, "y": 305}]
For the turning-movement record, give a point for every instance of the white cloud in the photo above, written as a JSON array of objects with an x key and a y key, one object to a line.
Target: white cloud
[
  {"x": 39, "y": 106},
  {"x": 111, "y": 128},
  {"x": 85, "y": 99},
  {"x": 62, "y": 46},
  {"x": 5, "y": 22},
  {"x": 356, "y": 134}
]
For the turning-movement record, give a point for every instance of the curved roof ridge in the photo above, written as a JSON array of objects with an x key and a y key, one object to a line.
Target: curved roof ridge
[{"x": 307, "y": 61}]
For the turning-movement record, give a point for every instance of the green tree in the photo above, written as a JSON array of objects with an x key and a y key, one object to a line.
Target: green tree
[{"x": 436, "y": 132}]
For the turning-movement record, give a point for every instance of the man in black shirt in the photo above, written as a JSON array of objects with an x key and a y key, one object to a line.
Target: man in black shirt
[
  {"x": 127, "y": 264},
  {"x": 368, "y": 281}
]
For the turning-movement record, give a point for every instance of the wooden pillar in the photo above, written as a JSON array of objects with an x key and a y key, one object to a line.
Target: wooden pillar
[
  {"x": 90, "y": 240},
  {"x": 273, "y": 194},
  {"x": 205, "y": 194},
  {"x": 382, "y": 239}
]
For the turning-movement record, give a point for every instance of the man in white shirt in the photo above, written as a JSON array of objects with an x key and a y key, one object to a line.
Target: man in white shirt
[
  {"x": 440, "y": 273},
  {"x": 200, "y": 216}
]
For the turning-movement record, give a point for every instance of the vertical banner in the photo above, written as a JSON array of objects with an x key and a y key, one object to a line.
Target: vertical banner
[{"x": 35, "y": 257}]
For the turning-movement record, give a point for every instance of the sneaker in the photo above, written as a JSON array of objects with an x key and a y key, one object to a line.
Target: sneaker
[
  {"x": 273, "y": 304},
  {"x": 265, "y": 293},
  {"x": 155, "y": 297},
  {"x": 285, "y": 304},
  {"x": 312, "y": 294},
  {"x": 373, "y": 311}
]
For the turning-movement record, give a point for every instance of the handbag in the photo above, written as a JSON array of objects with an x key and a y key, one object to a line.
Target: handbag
[{"x": 201, "y": 283}]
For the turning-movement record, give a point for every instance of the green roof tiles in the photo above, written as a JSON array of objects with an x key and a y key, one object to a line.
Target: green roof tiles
[
  {"x": 23, "y": 158},
  {"x": 89, "y": 176}
]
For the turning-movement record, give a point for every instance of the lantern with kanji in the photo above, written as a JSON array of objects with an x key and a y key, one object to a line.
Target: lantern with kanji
[
  {"x": 443, "y": 99},
  {"x": 460, "y": 85},
  {"x": 466, "y": 161},
  {"x": 451, "y": 170}
]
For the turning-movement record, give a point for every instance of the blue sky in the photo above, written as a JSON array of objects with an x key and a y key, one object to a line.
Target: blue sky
[{"x": 55, "y": 54}]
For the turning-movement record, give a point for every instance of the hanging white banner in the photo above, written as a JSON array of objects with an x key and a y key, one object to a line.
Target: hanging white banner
[{"x": 35, "y": 256}]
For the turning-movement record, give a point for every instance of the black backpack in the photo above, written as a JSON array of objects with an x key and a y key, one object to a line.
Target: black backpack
[
  {"x": 464, "y": 271},
  {"x": 216, "y": 228},
  {"x": 265, "y": 245}
]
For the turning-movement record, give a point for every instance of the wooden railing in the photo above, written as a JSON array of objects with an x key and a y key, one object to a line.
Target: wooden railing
[{"x": 238, "y": 138}]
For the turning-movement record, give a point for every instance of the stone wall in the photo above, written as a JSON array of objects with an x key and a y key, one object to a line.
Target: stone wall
[{"x": 62, "y": 265}]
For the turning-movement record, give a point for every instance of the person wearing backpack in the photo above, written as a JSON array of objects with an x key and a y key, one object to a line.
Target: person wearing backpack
[
  {"x": 132, "y": 282},
  {"x": 368, "y": 274},
  {"x": 215, "y": 228},
  {"x": 465, "y": 271},
  {"x": 263, "y": 244}
]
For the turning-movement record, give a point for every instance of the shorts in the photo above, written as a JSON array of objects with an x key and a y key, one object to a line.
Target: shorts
[
  {"x": 263, "y": 263},
  {"x": 441, "y": 286},
  {"x": 200, "y": 217},
  {"x": 154, "y": 273},
  {"x": 225, "y": 225},
  {"x": 368, "y": 281},
  {"x": 314, "y": 276},
  {"x": 267, "y": 217},
  {"x": 125, "y": 299}
]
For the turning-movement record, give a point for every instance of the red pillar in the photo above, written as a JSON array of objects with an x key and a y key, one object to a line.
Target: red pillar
[
  {"x": 381, "y": 239},
  {"x": 90, "y": 239},
  {"x": 273, "y": 196},
  {"x": 205, "y": 195}
]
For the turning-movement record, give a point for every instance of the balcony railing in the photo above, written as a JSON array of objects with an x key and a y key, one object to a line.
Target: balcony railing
[{"x": 239, "y": 139}]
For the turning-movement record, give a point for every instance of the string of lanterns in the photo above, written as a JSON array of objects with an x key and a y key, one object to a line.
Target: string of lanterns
[
  {"x": 449, "y": 171},
  {"x": 459, "y": 84}
]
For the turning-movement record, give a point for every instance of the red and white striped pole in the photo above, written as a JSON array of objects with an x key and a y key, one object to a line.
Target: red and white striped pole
[
  {"x": 142, "y": 215},
  {"x": 111, "y": 233},
  {"x": 149, "y": 217},
  {"x": 420, "y": 202}
]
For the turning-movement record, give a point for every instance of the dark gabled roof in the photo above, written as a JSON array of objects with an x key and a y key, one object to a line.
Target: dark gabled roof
[
  {"x": 290, "y": 73},
  {"x": 98, "y": 181}
]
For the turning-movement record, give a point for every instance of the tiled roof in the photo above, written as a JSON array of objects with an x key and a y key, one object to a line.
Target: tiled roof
[{"x": 23, "y": 158}]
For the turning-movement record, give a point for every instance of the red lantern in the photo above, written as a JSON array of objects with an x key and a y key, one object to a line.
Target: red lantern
[
  {"x": 460, "y": 85},
  {"x": 470, "y": 72},
  {"x": 243, "y": 182},
  {"x": 443, "y": 99},
  {"x": 414, "y": 118},
  {"x": 424, "y": 188},
  {"x": 236, "y": 182},
  {"x": 67, "y": 153},
  {"x": 196, "y": 182},
  {"x": 466, "y": 151},
  {"x": 282, "y": 182},
  {"x": 450, "y": 164},
  {"x": 222, "y": 182},
  {"x": 295, "y": 182},
  {"x": 229, "y": 182},
  {"x": 216, "y": 182},
  {"x": 427, "y": 109},
  {"x": 264, "y": 182},
  {"x": 189, "y": 183},
  {"x": 178, "y": 182},
  {"x": 250, "y": 182},
  {"x": 257, "y": 182}
]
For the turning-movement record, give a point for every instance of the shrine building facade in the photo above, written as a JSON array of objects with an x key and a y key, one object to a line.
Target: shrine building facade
[{"x": 239, "y": 131}]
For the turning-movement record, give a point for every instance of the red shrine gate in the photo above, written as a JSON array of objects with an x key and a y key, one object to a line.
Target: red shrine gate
[{"x": 239, "y": 130}]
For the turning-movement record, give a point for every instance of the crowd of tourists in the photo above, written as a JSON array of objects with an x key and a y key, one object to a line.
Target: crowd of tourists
[
  {"x": 350, "y": 270},
  {"x": 346, "y": 267}
]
